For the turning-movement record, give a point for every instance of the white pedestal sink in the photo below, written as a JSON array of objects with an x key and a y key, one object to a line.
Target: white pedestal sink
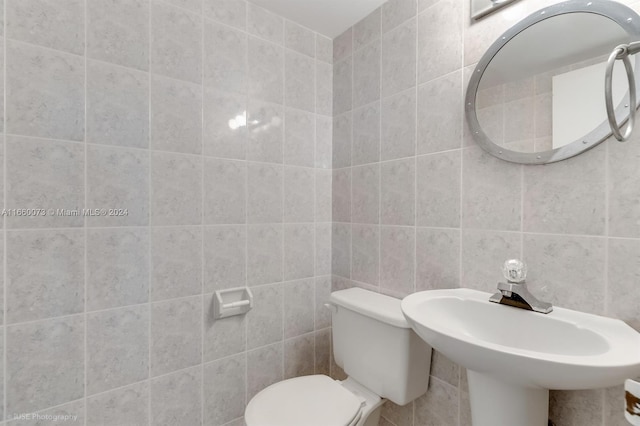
[{"x": 514, "y": 356}]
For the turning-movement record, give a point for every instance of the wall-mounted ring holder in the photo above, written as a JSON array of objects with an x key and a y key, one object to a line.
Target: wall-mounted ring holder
[{"x": 234, "y": 301}]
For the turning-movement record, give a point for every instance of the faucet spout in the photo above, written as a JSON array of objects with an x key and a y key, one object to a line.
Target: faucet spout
[
  {"x": 518, "y": 296},
  {"x": 514, "y": 292}
]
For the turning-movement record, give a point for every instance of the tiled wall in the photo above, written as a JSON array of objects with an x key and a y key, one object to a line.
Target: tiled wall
[
  {"x": 140, "y": 105},
  {"x": 418, "y": 205}
]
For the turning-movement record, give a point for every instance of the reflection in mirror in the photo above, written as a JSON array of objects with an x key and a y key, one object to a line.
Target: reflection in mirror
[{"x": 544, "y": 88}]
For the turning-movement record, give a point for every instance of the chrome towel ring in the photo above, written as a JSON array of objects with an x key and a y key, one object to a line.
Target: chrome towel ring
[{"x": 621, "y": 52}]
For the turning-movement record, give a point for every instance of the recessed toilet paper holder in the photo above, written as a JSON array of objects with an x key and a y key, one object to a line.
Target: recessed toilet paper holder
[
  {"x": 233, "y": 301},
  {"x": 632, "y": 401}
]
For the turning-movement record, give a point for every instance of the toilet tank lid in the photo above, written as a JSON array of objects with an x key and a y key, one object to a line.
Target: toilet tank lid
[{"x": 374, "y": 305}]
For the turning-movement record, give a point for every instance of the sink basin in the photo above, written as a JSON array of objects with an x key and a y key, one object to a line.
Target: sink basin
[{"x": 513, "y": 356}]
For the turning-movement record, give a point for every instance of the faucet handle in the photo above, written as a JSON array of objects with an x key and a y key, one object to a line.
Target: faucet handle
[{"x": 514, "y": 271}]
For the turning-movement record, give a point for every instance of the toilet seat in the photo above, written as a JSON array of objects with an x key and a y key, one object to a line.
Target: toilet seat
[{"x": 309, "y": 400}]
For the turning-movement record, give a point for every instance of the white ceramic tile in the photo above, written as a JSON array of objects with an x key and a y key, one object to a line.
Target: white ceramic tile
[
  {"x": 324, "y": 49},
  {"x": 44, "y": 174},
  {"x": 177, "y": 398},
  {"x": 438, "y": 190},
  {"x": 222, "y": 337},
  {"x": 45, "y": 92},
  {"x": 176, "y": 335},
  {"x": 299, "y": 138},
  {"x": 266, "y": 71},
  {"x": 397, "y": 259},
  {"x": 299, "y": 38},
  {"x": 224, "y": 257},
  {"x": 176, "y": 197},
  {"x": 298, "y": 251},
  {"x": 49, "y": 23},
  {"x": 176, "y": 42},
  {"x": 342, "y": 140},
  {"x": 117, "y": 106},
  {"x": 343, "y": 45},
  {"x": 365, "y": 192},
  {"x": 365, "y": 146},
  {"x": 342, "y": 86},
  {"x": 397, "y": 193},
  {"x": 224, "y": 191},
  {"x": 399, "y": 59},
  {"x": 264, "y": 254},
  {"x": 299, "y": 299},
  {"x": 398, "y": 136},
  {"x": 266, "y": 132},
  {"x": 117, "y": 348},
  {"x": 265, "y": 24},
  {"x": 229, "y": 12},
  {"x": 221, "y": 139},
  {"x": 176, "y": 115},
  {"x": 176, "y": 262},
  {"x": 45, "y": 362},
  {"x": 300, "y": 81},
  {"x": 438, "y": 260},
  {"x": 439, "y": 40},
  {"x": 394, "y": 12},
  {"x": 298, "y": 195},
  {"x": 119, "y": 180},
  {"x": 365, "y": 244},
  {"x": 117, "y": 267},
  {"x": 132, "y": 402},
  {"x": 45, "y": 274},
  {"x": 225, "y": 58},
  {"x": 366, "y": 74},
  {"x": 265, "y": 320},
  {"x": 264, "y": 193},
  {"x": 118, "y": 32}
]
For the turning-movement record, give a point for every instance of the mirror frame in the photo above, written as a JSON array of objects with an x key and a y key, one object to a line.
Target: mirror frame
[
  {"x": 619, "y": 13},
  {"x": 494, "y": 5}
]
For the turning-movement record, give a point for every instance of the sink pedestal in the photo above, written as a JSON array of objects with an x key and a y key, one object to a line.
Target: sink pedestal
[{"x": 494, "y": 402}]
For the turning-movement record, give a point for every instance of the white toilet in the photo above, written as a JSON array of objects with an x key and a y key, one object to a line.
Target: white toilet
[{"x": 375, "y": 346}]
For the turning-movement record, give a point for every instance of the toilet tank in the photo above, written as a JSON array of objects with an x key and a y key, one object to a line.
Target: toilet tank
[{"x": 375, "y": 346}]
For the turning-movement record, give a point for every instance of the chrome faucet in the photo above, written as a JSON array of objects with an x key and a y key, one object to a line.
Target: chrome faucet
[{"x": 514, "y": 292}]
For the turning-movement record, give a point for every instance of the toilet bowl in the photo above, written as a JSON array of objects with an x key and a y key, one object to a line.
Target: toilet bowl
[
  {"x": 375, "y": 346},
  {"x": 314, "y": 401}
]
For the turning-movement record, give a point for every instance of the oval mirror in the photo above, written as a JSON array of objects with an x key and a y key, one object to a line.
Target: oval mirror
[{"x": 537, "y": 94}]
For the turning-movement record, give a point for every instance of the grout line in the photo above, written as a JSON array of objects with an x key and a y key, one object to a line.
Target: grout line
[
  {"x": 461, "y": 184},
  {"x": 176, "y": 6},
  {"x": 148, "y": 228},
  {"x": 350, "y": 167},
  {"x": 315, "y": 196},
  {"x": 246, "y": 215},
  {"x": 522, "y": 183},
  {"x": 143, "y": 227},
  {"x": 146, "y": 381},
  {"x": 204, "y": 314},
  {"x": 85, "y": 317},
  {"x": 39, "y": 46},
  {"x": 606, "y": 230},
  {"x": 378, "y": 226},
  {"x": 282, "y": 194},
  {"x": 416, "y": 92},
  {"x": 4, "y": 221}
]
